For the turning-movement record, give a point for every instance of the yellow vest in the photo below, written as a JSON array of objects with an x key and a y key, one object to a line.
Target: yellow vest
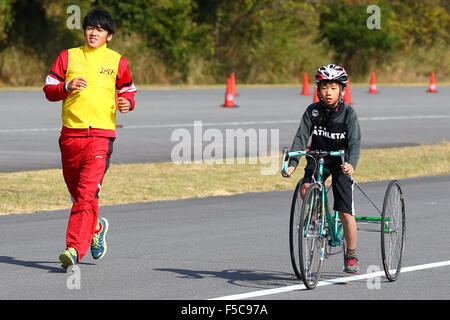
[{"x": 94, "y": 106}]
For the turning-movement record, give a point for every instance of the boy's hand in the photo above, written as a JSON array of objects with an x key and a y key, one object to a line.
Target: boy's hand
[
  {"x": 291, "y": 169},
  {"x": 124, "y": 105},
  {"x": 348, "y": 169},
  {"x": 76, "y": 84}
]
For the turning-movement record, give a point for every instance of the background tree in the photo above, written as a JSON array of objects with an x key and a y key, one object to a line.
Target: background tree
[
  {"x": 345, "y": 28},
  {"x": 6, "y": 19},
  {"x": 261, "y": 41}
]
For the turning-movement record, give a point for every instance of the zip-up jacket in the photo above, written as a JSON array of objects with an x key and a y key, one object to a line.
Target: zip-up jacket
[
  {"x": 91, "y": 111},
  {"x": 329, "y": 130}
]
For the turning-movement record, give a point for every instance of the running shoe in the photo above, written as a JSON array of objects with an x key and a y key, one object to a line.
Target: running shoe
[
  {"x": 68, "y": 258},
  {"x": 98, "y": 244}
]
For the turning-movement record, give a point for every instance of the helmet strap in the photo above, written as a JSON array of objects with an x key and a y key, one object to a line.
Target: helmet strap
[{"x": 341, "y": 97}]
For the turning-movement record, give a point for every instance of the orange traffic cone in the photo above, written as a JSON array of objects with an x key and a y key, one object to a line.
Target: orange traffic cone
[
  {"x": 432, "y": 83},
  {"x": 305, "y": 91},
  {"x": 348, "y": 94},
  {"x": 229, "y": 98},
  {"x": 233, "y": 85},
  {"x": 316, "y": 97},
  {"x": 373, "y": 84}
]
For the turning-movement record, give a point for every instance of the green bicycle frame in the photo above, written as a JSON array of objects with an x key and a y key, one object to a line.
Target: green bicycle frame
[{"x": 336, "y": 231}]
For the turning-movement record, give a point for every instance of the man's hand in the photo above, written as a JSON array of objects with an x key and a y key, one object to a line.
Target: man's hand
[
  {"x": 348, "y": 169},
  {"x": 291, "y": 169},
  {"x": 76, "y": 84},
  {"x": 124, "y": 105}
]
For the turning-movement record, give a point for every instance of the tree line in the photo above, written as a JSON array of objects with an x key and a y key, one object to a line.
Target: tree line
[{"x": 262, "y": 41}]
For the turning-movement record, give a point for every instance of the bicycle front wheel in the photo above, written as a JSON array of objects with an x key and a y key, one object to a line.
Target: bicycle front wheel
[
  {"x": 393, "y": 230},
  {"x": 294, "y": 225},
  {"x": 311, "y": 242}
]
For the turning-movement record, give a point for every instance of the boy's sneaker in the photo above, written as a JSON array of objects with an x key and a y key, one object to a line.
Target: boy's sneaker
[
  {"x": 351, "y": 263},
  {"x": 98, "y": 244},
  {"x": 68, "y": 258}
]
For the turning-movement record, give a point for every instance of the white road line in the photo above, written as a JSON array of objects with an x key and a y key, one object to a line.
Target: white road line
[
  {"x": 234, "y": 123},
  {"x": 28, "y": 130},
  {"x": 328, "y": 282},
  {"x": 419, "y": 117},
  {"x": 169, "y": 125}
]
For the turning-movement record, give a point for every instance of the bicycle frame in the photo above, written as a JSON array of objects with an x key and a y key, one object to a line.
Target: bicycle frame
[
  {"x": 323, "y": 229},
  {"x": 336, "y": 230},
  {"x": 333, "y": 222}
]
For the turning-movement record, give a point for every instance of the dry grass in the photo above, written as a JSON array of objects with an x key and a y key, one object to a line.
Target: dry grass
[
  {"x": 149, "y": 70},
  {"x": 42, "y": 190},
  {"x": 32, "y": 69}
]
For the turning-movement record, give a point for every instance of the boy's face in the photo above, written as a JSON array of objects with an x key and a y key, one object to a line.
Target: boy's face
[
  {"x": 95, "y": 37},
  {"x": 329, "y": 92}
]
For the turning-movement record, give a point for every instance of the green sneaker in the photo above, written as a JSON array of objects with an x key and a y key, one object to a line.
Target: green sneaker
[
  {"x": 68, "y": 258},
  {"x": 98, "y": 244}
]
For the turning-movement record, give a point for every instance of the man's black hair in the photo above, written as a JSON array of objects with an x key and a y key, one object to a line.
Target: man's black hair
[{"x": 99, "y": 18}]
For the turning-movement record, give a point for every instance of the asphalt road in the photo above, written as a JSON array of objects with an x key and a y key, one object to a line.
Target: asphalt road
[
  {"x": 221, "y": 247},
  {"x": 30, "y": 125}
]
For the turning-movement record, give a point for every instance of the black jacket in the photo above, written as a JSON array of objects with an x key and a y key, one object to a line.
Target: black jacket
[{"x": 329, "y": 130}]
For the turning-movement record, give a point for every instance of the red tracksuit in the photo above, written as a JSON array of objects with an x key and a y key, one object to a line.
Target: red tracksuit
[{"x": 85, "y": 151}]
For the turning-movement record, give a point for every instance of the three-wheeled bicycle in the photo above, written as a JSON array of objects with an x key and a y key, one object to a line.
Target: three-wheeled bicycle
[{"x": 314, "y": 229}]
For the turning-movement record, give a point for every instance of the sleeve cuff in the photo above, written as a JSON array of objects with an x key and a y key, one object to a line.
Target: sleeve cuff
[
  {"x": 131, "y": 104},
  {"x": 293, "y": 162}
]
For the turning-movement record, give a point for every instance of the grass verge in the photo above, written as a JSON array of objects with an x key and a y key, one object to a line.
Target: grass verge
[{"x": 41, "y": 190}]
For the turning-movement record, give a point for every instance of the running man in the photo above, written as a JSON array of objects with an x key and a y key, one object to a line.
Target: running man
[{"x": 93, "y": 82}]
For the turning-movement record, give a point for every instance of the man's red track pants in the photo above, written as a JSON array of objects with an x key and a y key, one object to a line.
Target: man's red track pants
[{"x": 84, "y": 163}]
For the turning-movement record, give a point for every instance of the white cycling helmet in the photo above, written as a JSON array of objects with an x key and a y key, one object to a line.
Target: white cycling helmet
[{"x": 332, "y": 72}]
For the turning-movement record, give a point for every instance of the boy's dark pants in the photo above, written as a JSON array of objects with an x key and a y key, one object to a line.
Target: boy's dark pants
[
  {"x": 84, "y": 163},
  {"x": 342, "y": 186}
]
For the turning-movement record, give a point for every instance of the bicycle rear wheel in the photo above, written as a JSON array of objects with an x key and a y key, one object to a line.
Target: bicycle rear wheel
[
  {"x": 311, "y": 242},
  {"x": 393, "y": 230}
]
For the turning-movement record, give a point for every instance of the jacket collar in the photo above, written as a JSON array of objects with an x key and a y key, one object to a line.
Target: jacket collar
[
  {"x": 96, "y": 50},
  {"x": 330, "y": 111}
]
